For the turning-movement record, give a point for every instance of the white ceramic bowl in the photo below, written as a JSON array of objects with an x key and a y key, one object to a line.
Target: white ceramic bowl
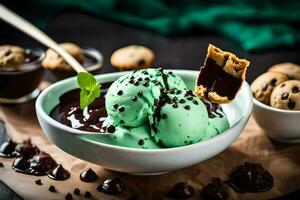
[
  {"x": 139, "y": 161},
  {"x": 280, "y": 125}
]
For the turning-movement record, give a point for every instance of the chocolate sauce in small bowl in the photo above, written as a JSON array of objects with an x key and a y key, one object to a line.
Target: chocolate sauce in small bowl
[{"x": 19, "y": 85}]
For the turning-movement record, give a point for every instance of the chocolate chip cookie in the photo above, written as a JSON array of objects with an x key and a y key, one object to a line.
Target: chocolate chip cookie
[
  {"x": 11, "y": 56},
  {"x": 263, "y": 86},
  {"x": 290, "y": 69},
  {"x": 286, "y": 95},
  {"x": 53, "y": 61},
  {"x": 221, "y": 76},
  {"x": 132, "y": 57}
]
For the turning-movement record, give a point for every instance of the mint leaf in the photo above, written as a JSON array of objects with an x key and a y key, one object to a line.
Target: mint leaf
[{"x": 89, "y": 88}]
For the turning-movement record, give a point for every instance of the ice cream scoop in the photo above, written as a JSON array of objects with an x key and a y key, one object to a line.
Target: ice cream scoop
[
  {"x": 130, "y": 99},
  {"x": 179, "y": 118}
]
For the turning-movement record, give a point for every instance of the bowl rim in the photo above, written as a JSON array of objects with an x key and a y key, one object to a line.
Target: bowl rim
[
  {"x": 278, "y": 110},
  {"x": 78, "y": 133}
]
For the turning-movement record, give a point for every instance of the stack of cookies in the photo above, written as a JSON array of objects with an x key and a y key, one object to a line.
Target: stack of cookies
[{"x": 279, "y": 87}]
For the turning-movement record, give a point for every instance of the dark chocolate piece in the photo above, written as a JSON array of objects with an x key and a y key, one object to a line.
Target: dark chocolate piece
[
  {"x": 7, "y": 149},
  {"x": 181, "y": 191},
  {"x": 59, "y": 173},
  {"x": 87, "y": 194},
  {"x": 41, "y": 163},
  {"x": 111, "y": 186},
  {"x": 250, "y": 177},
  {"x": 21, "y": 164},
  {"x": 214, "y": 190},
  {"x": 52, "y": 188},
  {"x": 68, "y": 196},
  {"x": 88, "y": 175},
  {"x": 39, "y": 182},
  {"x": 76, "y": 191}
]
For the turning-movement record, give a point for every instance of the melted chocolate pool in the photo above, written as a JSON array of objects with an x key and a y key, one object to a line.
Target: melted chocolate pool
[{"x": 68, "y": 112}]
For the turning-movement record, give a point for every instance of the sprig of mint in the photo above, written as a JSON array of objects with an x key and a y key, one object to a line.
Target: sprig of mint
[{"x": 89, "y": 88}]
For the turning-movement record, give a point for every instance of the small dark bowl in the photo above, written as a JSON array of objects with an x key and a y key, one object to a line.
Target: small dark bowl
[
  {"x": 21, "y": 85},
  {"x": 92, "y": 62}
]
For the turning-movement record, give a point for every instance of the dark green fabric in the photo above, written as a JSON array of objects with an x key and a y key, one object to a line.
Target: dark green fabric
[{"x": 254, "y": 24}]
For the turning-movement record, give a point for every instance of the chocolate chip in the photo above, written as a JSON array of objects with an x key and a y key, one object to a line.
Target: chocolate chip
[
  {"x": 7, "y": 52},
  {"x": 295, "y": 89},
  {"x": 282, "y": 85},
  {"x": 273, "y": 82},
  {"x": 76, "y": 191},
  {"x": 264, "y": 86},
  {"x": 115, "y": 106},
  {"x": 120, "y": 92},
  {"x": 175, "y": 105},
  {"x": 68, "y": 196},
  {"x": 170, "y": 73},
  {"x": 190, "y": 98},
  {"x": 181, "y": 101},
  {"x": 111, "y": 129},
  {"x": 111, "y": 186},
  {"x": 181, "y": 191},
  {"x": 195, "y": 102},
  {"x": 141, "y": 142},
  {"x": 285, "y": 96},
  {"x": 141, "y": 62},
  {"x": 87, "y": 194},
  {"x": 146, "y": 84},
  {"x": 291, "y": 104},
  {"x": 38, "y": 182},
  {"x": 178, "y": 92},
  {"x": 59, "y": 173},
  {"x": 52, "y": 188},
  {"x": 121, "y": 121},
  {"x": 175, "y": 99},
  {"x": 136, "y": 83},
  {"x": 147, "y": 79},
  {"x": 164, "y": 116},
  {"x": 1, "y": 164},
  {"x": 187, "y": 107},
  {"x": 131, "y": 81},
  {"x": 134, "y": 98},
  {"x": 172, "y": 91},
  {"x": 140, "y": 79},
  {"x": 131, "y": 77},
  {"x": 140, "y": 94},
  {"x": 121, "y": 109},
  {"x": 214, "y": 190}
]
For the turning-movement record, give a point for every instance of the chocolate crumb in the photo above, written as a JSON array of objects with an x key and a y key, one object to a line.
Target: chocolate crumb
[
  {"x": 52, "y": 188},
  {"x": 111, "y": 129},
  {"x": 88, "y": 175},
  {"x": 69, "y": 196},
  {"x": 181, "y": 101},
  {"x": 181, "y": 191},
  {"x": 39, "y": 182},
  {"x": 115, "y": 106},
  {"x": 87, "y": 194},
  {"x": 195, "y": 102},
  {"x": 76, "y": 191}
]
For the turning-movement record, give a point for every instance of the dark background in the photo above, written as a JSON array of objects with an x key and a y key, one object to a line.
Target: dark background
[{"x": 186, "y": 52}]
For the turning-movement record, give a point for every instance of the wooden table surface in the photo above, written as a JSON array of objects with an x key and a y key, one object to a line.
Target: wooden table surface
[{"x": 177, "y": 52}]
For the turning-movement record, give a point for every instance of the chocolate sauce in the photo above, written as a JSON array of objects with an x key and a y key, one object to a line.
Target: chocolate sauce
[
  {"x": 181, "y": 191},
  {"x": 59, "y": 173},
  {"x": 68, "y": 112},
  {"x": 38, "y": 165},
  {"x": 213, "y": 77},
  {"x": 214, "y": 190},
  {"x": 111, "y": 186},
  {"x": 250, "y": 177},
  {"x": 213, "y": 109},
  {"x": 88, "y": 175},
  {"x": 7, "y": 149}
]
